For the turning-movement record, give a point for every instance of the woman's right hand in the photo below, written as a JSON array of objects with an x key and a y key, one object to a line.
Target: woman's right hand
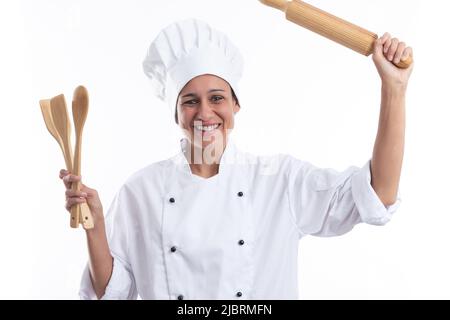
[
  {"x": 100, "y": 258},
  {"x": 84, "y": 195}
]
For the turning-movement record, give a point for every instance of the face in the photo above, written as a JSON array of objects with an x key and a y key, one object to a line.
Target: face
[{"x": 206, "y": 110}]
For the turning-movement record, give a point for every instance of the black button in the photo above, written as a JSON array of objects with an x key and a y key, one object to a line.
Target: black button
[
  {"x": 180, "y": 297},
  {"x": 172, "y": 200},
  {"x": 173, "y": 249},
  {"x": 239, "y": 294},
  {"x": 240, "y": 194},
  {"x": 241, "y": 242}
]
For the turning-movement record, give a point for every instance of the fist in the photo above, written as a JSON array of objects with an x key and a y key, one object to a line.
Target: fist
[
  {"x": 88, "y": 195},
  {"x": 387, "y": 51}
]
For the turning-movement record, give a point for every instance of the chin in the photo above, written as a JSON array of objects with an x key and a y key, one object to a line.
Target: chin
[{"x": 204, "y": 141}]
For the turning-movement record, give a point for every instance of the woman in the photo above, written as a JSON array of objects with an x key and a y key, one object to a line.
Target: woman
[{"x": 214, "y": 222}]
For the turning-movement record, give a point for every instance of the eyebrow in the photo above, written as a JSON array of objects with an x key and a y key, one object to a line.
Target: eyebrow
[{"x": 194, "y": 95}]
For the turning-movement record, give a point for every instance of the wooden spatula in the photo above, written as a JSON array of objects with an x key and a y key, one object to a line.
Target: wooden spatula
[
  {"x": 47, "y": 114},
  {"x": 62, "y": 126},
  {"x": 80, "y": 106}
]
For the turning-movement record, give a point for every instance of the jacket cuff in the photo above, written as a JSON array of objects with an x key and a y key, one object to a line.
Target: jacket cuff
[
  {"x": 119, "y": 286},
  {"x": 86, "y": 289},
  {"x": 369, "y": 205}
]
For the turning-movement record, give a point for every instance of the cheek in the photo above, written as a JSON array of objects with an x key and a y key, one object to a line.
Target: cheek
[
  {"x": 227, "y": 117},
  {"x": 184, "y": 117}
]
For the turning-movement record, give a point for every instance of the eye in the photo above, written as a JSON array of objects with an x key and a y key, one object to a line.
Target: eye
[
  {"x": 190, "y": 102},
  {"x": 216, "y": 99}
]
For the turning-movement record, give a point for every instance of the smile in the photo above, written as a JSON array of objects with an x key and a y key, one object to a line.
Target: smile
[{"x": 207, "y": 128}]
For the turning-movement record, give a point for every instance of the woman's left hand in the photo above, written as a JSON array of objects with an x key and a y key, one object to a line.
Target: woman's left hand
[{"x": 388, "y": 50}]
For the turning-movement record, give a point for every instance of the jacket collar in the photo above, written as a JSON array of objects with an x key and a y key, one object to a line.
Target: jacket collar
[{"x": 229, "y": 158}]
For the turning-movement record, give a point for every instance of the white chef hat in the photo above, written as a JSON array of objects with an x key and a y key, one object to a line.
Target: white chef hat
[{"x": 187, "y": 49}]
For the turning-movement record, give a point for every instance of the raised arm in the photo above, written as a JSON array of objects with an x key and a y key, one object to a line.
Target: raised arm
[{"x": 388, "y": 150}]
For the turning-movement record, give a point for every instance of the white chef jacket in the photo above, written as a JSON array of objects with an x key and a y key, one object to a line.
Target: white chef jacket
[{"x": 175, "y": 235}]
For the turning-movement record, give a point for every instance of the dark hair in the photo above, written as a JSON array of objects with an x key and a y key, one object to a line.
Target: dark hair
[{"x": 232, "y": 94}]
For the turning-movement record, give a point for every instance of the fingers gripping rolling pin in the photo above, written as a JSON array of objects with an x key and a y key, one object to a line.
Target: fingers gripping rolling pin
[{"x": 329, "y": 26}]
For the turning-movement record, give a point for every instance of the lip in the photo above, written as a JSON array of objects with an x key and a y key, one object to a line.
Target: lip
[
  {"x": 207, "y": 133},
  {"x": 208, "y": 123}
]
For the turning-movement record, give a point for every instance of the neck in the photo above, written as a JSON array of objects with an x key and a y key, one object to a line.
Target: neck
[{"x": 205, "y": 170}]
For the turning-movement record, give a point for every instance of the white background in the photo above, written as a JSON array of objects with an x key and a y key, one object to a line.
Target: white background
[{"x": 301, "y": 94}]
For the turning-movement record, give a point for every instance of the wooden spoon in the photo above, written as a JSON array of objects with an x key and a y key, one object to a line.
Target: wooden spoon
[{"x": 80, "y": 106}]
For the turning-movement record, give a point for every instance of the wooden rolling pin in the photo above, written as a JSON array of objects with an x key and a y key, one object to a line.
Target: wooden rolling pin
[{"x": 329, "y": 26}]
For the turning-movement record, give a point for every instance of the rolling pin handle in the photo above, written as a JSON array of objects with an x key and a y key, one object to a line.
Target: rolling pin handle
[
  {"x": 405, "y": 64},
  {"x": 277, "y": 4}
]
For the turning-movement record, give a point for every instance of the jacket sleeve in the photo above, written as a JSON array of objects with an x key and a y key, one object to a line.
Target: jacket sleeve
[
  {"x": 121, "y": 285},
  {"x": 325, "y": 202}
]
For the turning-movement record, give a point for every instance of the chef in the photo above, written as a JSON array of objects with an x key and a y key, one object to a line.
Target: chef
[{"x": 214, "y": 222}]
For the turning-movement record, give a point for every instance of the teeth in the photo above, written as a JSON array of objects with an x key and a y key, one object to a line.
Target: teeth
[{"x": 207, "y": 128}]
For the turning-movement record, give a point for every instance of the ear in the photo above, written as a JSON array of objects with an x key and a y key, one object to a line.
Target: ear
[{"x": 236, "y": 107}]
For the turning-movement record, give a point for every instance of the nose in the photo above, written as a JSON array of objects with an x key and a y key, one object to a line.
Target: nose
[{"x": 205, "y": 111}]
